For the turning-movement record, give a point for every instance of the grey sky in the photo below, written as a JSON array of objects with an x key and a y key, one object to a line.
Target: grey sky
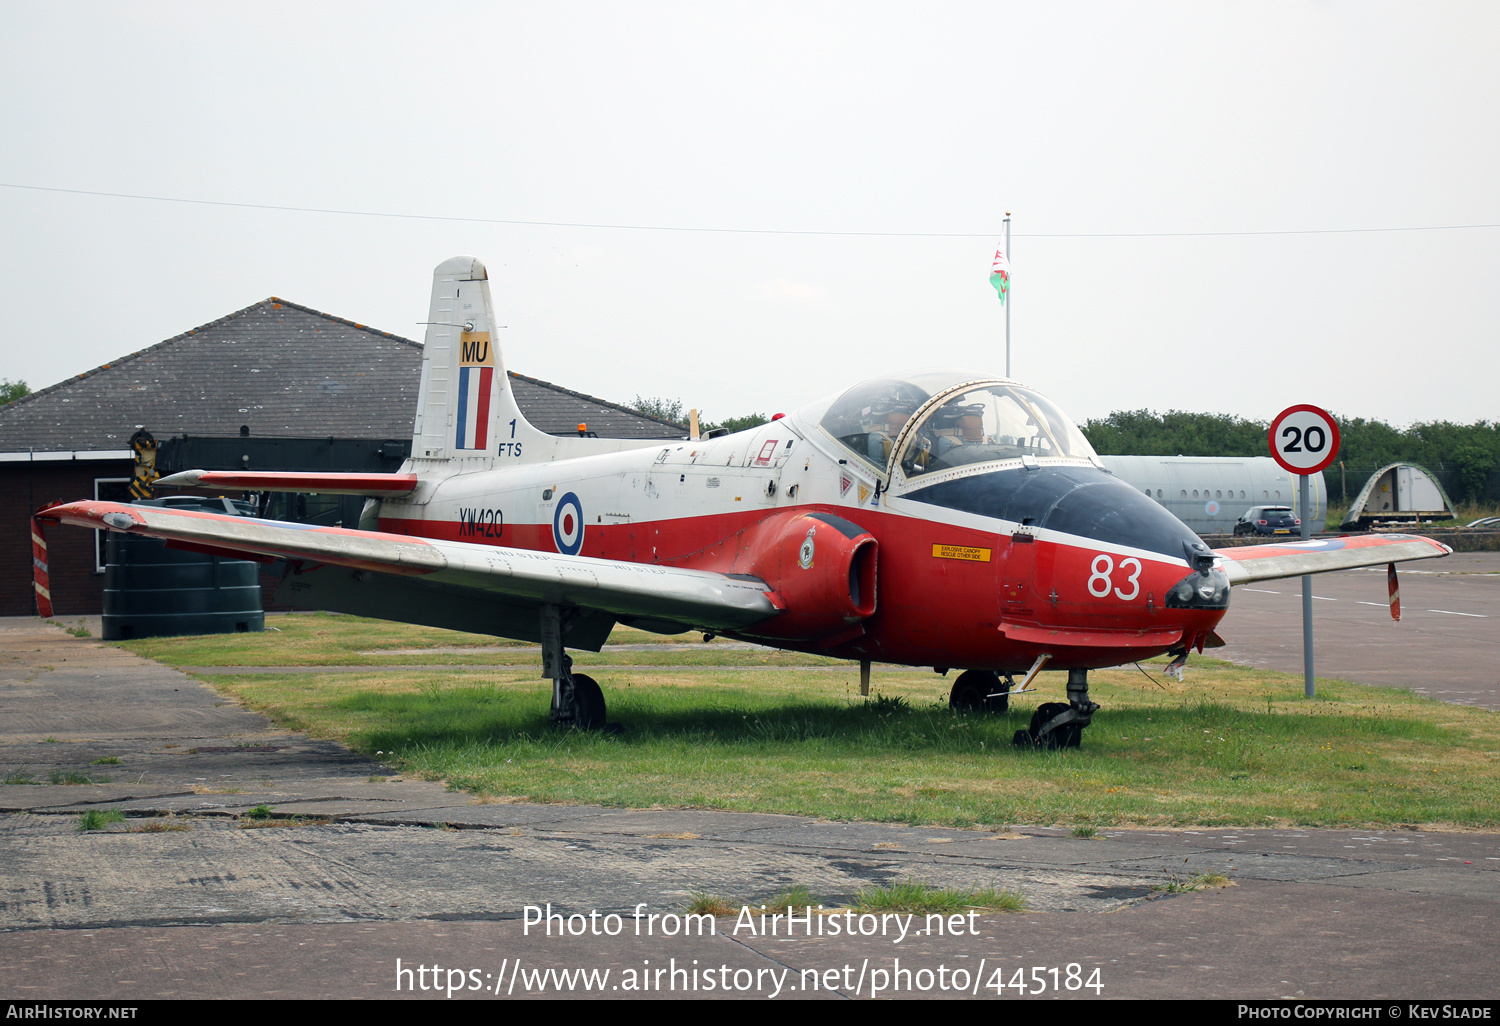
[{"x": 815, "y": 117}]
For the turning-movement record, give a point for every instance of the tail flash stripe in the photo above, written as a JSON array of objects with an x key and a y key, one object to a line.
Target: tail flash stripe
[
  {"x": 474, "y": 385},
  {"x": 482, "y": 421},
  {"x": 463, "y": 408}
]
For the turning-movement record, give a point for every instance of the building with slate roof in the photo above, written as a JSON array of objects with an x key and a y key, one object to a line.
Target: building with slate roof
[{"x": 275, "y": 386}]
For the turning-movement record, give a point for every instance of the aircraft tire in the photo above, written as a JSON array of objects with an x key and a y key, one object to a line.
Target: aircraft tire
[
  {"x": 971, "y": 693},
  {"x": 588, "y": 703},
  {"x": 1066, "y": 736}
]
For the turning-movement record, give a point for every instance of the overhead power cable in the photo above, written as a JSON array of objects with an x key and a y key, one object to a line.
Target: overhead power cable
[{"x": 742, "y": 231}]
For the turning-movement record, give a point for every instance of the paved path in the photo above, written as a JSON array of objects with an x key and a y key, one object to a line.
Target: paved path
[{"x": 1447, "y": 644}]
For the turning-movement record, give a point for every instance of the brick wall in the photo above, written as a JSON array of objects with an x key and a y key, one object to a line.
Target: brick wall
[{"x": 25, "y": 485}]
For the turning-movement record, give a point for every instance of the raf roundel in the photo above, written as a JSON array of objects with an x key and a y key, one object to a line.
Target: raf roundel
[{"x": 567, "y": 525}]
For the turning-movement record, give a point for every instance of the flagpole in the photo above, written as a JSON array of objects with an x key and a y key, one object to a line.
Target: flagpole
[{"x": 1007, "y": 303}]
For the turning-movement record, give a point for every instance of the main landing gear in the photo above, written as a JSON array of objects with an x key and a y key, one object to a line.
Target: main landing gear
[
  {"x": 577, "y": 700},
  {"x": 981, "y": 690},
  {"x": 1056, "y": 725}
]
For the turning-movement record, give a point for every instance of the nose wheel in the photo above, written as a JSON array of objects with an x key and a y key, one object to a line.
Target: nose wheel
[{"x": 1058, "y": 724}]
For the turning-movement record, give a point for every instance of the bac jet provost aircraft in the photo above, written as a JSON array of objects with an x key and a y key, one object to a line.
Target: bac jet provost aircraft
[{"x": 944, "y": 520}]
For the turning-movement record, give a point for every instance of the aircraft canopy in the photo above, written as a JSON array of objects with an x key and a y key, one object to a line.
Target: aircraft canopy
[{"x": 945, "y": 421}]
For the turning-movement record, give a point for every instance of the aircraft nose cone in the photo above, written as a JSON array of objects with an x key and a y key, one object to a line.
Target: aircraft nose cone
[{"x": 1201, "y": 589}]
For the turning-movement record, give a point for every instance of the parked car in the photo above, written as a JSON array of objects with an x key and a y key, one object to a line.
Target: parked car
[{"x": 1268, "y": 520}]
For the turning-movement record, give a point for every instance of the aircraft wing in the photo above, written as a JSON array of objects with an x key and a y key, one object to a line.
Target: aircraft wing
[
  {"x": 1248, "y": 563},
  {"x": 384, "y": 485},
  {"x": 408, "y": 579}
]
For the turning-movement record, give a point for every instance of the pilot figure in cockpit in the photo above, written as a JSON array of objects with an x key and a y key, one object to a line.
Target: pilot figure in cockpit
[
  {"x": 954, "y": 424},
  {"x": 884, "y": 420}
]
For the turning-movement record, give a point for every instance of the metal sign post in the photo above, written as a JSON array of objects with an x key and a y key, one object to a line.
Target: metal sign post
[{"x": 1304, "y": 440}]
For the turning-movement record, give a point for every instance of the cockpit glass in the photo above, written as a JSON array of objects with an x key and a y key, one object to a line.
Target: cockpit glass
[
  {"x": 990, "y": 423},
  {"x": 869, "y": 417}
]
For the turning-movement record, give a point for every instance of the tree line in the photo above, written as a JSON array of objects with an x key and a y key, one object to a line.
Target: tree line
[
  {"x": 671, "y": 410},
  {"x": 1466, "y": 455}
]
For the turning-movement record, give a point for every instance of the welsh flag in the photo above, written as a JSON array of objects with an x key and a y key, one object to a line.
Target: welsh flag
[{"x": 1000, "y": 274}]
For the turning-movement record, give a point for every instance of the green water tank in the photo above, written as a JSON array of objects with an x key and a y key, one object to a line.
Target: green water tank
[{"x": 152, "y": 591}]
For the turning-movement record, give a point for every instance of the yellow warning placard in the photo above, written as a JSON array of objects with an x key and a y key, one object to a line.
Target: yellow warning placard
[{"x": 978, "y": 555}]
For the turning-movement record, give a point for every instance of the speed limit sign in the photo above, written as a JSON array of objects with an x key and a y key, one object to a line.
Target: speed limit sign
[{"x": 1304, "y": 439}]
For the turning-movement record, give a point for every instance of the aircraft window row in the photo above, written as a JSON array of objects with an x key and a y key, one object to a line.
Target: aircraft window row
[
  {"x": 1218, "y": 493},
  {"x": 983, "y": 425}
]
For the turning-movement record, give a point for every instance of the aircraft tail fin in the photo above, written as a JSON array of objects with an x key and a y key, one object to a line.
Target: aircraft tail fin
[{"x": 466, "y": 408}]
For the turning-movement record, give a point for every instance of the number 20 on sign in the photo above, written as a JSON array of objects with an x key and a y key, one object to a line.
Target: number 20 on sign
[{"x": 1304, "y": 439}]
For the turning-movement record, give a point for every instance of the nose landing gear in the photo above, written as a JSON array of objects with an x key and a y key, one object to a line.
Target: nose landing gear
[{"x": 1056, "y": 725}]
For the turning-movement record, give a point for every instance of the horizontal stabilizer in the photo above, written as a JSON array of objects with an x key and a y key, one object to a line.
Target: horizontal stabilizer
[{"x": 381, "y": 485}]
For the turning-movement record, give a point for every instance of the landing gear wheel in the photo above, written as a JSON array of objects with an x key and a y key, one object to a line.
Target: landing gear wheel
[
  {"x": 588, "y": 703},
  {"x": 972, "y": 691},
  {"x": 1065, "y": 736}
]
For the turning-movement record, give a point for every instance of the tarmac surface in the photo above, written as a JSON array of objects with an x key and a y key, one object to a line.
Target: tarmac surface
[
  {"x": 1447, "y": 644},
  {"x": 362, "y": 883}
]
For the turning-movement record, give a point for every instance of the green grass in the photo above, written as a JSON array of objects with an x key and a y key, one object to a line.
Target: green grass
[
  {"x": 707, "y": 903},
  {"x": 320, "y": 639},
  {"x": 1227, "y": 747},
  {"x": 58, "y": 776},
  {"x": 162, "y": 825},
  {"x": 285, "y": 822},
  {"x": 919, "y": 898},
  {"x": 794, "y": 896},
  {"x": 1200, "y": 882},
  {"x": 98, "y": 819}
]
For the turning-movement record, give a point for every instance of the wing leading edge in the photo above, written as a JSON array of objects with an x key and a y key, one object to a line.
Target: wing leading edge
[
  {"x": 1250, "y": 563},
  {"x": 421, "y": 569},
  {"x": 384, "y": 485}
]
